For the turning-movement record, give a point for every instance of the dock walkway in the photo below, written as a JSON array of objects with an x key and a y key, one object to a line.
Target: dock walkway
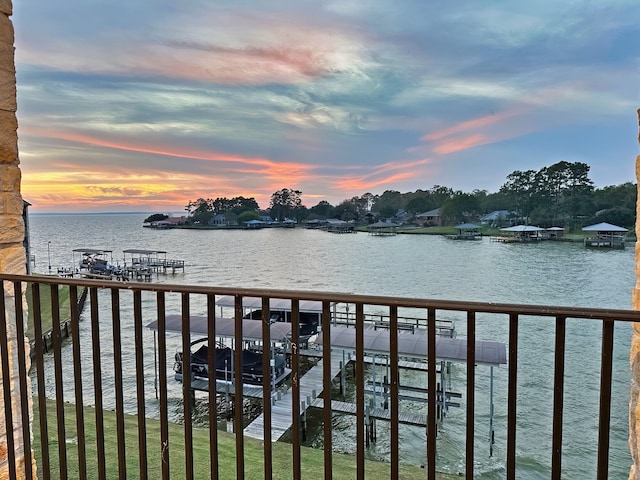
[
  {"x": 415, "y": 419},
  {"x": 281, "y": 420}
]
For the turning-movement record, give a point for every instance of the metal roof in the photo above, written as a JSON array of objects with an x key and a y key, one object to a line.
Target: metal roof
[
  {"x": 604, "y": 227},
  {"x": 522, "y": 228},
  {"x": 467, "y": 226},
  {"x": 383, "y": 225},
  {"x": 92, "y": 251},
  {"x": 225, "y": 327},
  {"x": 415, "y": 345},
  {"x": 143, "y": 252},
  {"x": 275, "y": 304}
]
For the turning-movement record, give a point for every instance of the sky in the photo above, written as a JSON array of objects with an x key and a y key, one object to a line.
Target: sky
[{"x": 146, "y": 105}]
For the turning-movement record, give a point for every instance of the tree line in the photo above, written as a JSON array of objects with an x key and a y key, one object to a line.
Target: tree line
[{"x": 559, "y": 195}]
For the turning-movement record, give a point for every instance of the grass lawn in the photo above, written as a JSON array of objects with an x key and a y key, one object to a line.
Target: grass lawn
[
  {"x": 45, "y": 308},
  {"x": 344, "y": 466}
]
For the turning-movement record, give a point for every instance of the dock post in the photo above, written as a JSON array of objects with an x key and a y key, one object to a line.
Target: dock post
[
  {"x": 375, "y": 394},
  {"x": 491, "y": 434},
  {"x": 366, "y": 426},
  {"x": 304, "y": 422},
  {"x": 386, "y": 393}
]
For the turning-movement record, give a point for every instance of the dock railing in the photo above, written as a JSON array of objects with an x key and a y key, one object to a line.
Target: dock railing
[{"x": 111, "y": 366}]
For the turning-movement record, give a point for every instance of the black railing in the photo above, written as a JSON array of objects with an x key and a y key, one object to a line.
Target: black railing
[{"x": 106, "y": 365}]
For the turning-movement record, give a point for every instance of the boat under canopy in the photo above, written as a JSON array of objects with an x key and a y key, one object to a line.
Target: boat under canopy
[{"x": 253, "y": 369}]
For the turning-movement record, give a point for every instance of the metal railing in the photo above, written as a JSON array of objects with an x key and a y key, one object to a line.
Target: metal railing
[{"x": 103, "y": 366}]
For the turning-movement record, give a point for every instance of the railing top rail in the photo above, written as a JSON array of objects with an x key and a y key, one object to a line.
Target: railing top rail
[{"x": 339, "y": 297}]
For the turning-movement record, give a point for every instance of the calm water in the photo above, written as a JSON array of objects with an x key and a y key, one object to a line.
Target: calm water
[{"x": 549, "y": 273}]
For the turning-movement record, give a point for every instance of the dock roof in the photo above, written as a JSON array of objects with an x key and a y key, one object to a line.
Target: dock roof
[
  {"x": 92, "y": 251},
  {"x": 522, "y": 228},
  {"x": 143, "y": 252},
  {"x": 415, "y": 345},
  {"x": 275, "y": 304},
  {"x": 225, "y": 327},
  {"x": 604, "y": 227}
]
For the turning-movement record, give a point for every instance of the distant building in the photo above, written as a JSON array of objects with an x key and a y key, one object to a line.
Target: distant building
[
  {"x": 429, "y": 219},
  {"x": 498, "y": 218}
]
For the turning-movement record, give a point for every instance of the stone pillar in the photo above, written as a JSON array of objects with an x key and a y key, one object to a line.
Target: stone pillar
[
  {"x": 634, "y": 356},
  {"x": 12, "y": 230}
]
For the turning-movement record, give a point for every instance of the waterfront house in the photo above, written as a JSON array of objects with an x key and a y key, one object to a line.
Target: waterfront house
[{"x": 429, "y": 219}]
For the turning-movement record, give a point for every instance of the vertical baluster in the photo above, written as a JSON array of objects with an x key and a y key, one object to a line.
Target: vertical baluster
[
  {"x": 77, "y": 379},
  {"x": 431, "y": 389},
  {"x": 211, "y": 362},
  {"x": 326, "y": 389},
  {"x": 186, "y": 387},
  {"x": 296, "y": 471},
  {"x": 558, "y": 398},
  {"x": 266, "y": 389},
  {"x": 239, "y": 390},
  {"x": 97, "y": 382},
  {"x": 512, "y": 396},
  {"x": 119, "y": 391},
  {"x": 605, "y": 398},
  {"x": 164, "y": 401},
  {"x": 22, "y": 380},
  {"x": 360, "y": 379},
  {"x": 394, "y": 380},
  {"x": 6, "y": 385},
  {"x": 471, "y": 389}
]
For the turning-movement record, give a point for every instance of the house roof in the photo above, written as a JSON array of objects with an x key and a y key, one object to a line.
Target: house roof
[
  {"x": 495, "y": 215},
  {"x": 431, "y": 213}
]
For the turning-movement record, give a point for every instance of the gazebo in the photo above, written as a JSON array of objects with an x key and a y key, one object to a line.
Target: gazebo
[{"x": 606, "y": 236}]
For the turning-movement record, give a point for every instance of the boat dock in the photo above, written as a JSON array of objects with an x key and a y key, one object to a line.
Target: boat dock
[{"x": 310, "y": 387}]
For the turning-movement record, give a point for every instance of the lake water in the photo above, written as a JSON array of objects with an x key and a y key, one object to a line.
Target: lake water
[{"x": 549, "y": 273}]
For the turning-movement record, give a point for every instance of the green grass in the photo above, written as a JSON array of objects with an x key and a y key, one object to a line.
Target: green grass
[
  {"x": 45, "y": 308},
  {"x": 344, "y": 466}
]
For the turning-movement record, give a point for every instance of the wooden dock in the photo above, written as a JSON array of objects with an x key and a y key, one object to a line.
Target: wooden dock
[
  {"x": 377, "y": 413},
  {"x": 310, "y": 386}
]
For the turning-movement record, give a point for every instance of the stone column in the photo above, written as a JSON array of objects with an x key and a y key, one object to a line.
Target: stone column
[
  {"x": 634, "y": 357},
  {"x": 12, "y": 253}
]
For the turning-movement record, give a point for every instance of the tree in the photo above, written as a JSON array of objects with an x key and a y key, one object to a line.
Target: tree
[
  {"x": 457, "y": 207},
  {"x": 388, "y": 203},
  {"x": 201, "y": 211},
  {"x": 156, "y": 217},
  {"x": 347, "y": 211},
  {"x": 284, "y": 203},
  {"x": 520, "y": 189},
  {"x": 322, "y": 210},
  {"x": 248, "y": 215}
]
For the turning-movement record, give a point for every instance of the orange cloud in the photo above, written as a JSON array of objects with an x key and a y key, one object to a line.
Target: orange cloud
[
  {"x": 456, "y": 144},
  {"x": 463, "y": 127},
  {"x": 256, "y": 165},
  {"x": 475, "y": 132},
  {"x": 376, "y": 178}
]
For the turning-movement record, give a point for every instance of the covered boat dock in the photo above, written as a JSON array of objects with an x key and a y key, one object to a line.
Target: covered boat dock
[
  {"x": 466, "y": 231},
  {"x": 606, "y": 236}
]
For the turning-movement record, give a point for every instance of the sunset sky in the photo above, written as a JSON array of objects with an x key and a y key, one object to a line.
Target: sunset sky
[{"x": 144, "y": 105}]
